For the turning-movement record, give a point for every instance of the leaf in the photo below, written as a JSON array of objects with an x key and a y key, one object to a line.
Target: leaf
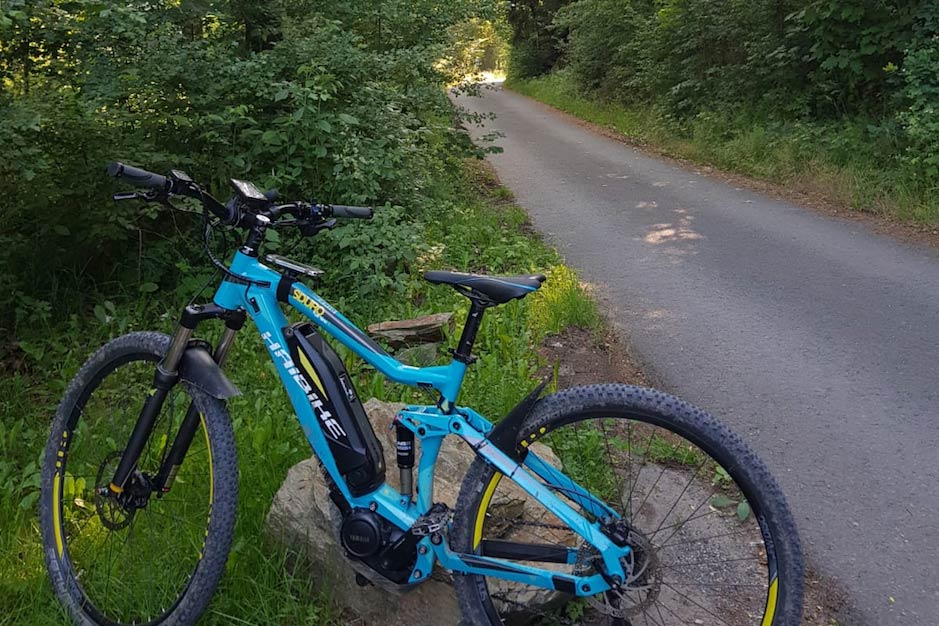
[
  {"x": 148, "y": 287},
  {"x": 61, "y": 230},
  {"x": 720, "y": 475},
  {"x": 272, "y": 137},
  {"x": 29, "y": 500},
  {"x": 181, "y": 120},
  {"x": 743, "y": 511},
  {"x": 100, "y": 314},
  {"x": 721, "y": 502},
  {"x": 345, "y": 118}
]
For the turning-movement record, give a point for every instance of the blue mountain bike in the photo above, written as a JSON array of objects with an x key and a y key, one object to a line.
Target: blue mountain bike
[{"x": 598, "y": 504}]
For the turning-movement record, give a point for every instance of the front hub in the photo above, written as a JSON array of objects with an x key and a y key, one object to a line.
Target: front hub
[{"x": 116, "y": 510}]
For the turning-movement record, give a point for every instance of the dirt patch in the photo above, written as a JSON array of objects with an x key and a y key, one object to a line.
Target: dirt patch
[
  {"x": 581, "y": 357},
  {"x": 578, "y": 357},
  {"x": 806, "y": 194}
]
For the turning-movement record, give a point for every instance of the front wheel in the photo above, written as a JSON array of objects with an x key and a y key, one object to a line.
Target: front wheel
[
  {"x": 143, "y": 556},
  {"x": 712, "y": 538}
]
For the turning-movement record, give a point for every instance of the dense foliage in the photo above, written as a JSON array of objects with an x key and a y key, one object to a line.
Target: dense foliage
[
  {"x": 331, "y": 100},
  {"x": 870, "y": 64}
]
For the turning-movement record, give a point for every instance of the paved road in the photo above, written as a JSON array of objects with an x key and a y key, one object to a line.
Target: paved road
[{"x": 814, "y": 337}]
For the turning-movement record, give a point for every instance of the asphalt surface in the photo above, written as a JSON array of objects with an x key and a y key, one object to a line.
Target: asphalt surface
[{"x": 815, "y": 338}]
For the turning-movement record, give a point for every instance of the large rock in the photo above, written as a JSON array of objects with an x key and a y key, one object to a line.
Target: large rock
[
  {"x": 303, "y": 518},
  {"x": 428, "y": 328}
]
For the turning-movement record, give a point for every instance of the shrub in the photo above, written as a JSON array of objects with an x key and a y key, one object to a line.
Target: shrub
[
  {"x": 303, "y": 96},
  {"x": 921, "y": 90}
]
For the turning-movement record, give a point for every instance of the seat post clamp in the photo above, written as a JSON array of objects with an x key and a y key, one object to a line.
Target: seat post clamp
[{"x": 467, "y": 359}]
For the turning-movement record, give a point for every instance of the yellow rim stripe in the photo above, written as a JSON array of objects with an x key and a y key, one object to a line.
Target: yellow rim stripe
[
  {"x": 208, "y": 449},
  {"x": 56, "y": 520},
  {"x": 305, "y": 362},
  {"x": 771, "y": 604},
  {"x": 483, "y": 506}
]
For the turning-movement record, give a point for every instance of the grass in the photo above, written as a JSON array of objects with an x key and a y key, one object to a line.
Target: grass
[
  {"x": 843, "y": 163},
  {"x": 474, "y": 226}
]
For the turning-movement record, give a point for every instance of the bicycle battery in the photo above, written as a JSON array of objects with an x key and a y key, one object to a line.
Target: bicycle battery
[{"x": 340, "y": 414}]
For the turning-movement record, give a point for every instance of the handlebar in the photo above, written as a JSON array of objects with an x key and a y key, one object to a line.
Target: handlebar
[
  {"x": 305, "y": 215},
  {"x": 351, "y": 212},
  {"x": 139, "y": 177}
]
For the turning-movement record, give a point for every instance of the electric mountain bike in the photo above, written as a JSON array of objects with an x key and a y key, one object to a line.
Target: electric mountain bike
[{"x": 598, "y": 504}]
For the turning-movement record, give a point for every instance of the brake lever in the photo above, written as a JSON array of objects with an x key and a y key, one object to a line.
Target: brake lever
[
  {"x": 310, "y": 229},
  {"x": 150, "y": 196},
  {"x": 147, "y": 196}
]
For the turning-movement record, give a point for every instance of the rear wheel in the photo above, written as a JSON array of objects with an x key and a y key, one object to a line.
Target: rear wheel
[
  {"x": 141, "y": 557},
  {"x": 713, "y": 541}
]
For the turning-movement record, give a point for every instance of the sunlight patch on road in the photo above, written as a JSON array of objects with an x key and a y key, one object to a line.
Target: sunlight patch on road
[{"x": 679, "y": 230}]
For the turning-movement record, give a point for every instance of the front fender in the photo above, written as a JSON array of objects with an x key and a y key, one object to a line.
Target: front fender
[{"x": 199, "y": 369}]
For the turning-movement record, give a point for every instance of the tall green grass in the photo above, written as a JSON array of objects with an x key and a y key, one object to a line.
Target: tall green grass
[{"x": 844, "y": 163}]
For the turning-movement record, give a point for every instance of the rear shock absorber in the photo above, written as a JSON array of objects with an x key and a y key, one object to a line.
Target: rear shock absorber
[{"x": 404, "y": 448}]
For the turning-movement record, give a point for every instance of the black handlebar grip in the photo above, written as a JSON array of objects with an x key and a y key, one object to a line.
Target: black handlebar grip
[
  {"x": 139, "y": 177},
  {"x": 352, "y": 212}
]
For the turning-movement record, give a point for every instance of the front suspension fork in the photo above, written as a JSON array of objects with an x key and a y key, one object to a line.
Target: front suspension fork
[
  {"x": 187, "y": 430},
  {"x": 165, "y": 377}
]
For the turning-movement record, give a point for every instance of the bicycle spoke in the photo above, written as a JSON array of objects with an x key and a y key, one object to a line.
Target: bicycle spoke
[
  {"x": 641, "y": 466},
  {"x": 698, "y": 540},
  {"x": 609, "y": 455},
  {"x": 708, "y": 562},
  {"x": 661, "y": 619},
  {"x": 679, "y": 525},
  {"x": 677, "y": 500},
  {"x": 692, "y": 601},
  {"x": 674, "y": 496}
]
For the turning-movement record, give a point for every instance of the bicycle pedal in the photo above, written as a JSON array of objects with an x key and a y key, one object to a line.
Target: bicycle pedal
[{"x": 433, "y": 521}]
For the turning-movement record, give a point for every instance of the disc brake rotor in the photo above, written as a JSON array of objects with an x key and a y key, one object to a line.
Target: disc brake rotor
[
  {"x": 113, "y": 514},
  {"x": 642, "y": 579}
]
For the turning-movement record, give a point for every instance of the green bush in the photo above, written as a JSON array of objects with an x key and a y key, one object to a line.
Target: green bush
[
  {"x": 805, "y": 59},
  {"x": 300, "y": 96},
  {"x": 921, "y": 77},
  {"x": 535, "y": 48},
  {"x": 604, "y": 47}
]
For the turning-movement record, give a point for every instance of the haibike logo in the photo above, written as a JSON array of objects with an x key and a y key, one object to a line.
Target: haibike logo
[
  {"x": 329, "y": 422},
  {"x": 309, "y": 302}
]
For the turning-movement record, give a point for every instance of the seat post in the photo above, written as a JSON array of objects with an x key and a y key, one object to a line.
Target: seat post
[{"x": 464, "y": 349}]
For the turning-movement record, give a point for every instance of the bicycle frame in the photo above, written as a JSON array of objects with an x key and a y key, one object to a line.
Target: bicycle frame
[{"x": 258, "y": 295}]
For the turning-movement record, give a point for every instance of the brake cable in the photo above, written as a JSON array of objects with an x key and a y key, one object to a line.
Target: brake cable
[{"x": 207, "y": 228}]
